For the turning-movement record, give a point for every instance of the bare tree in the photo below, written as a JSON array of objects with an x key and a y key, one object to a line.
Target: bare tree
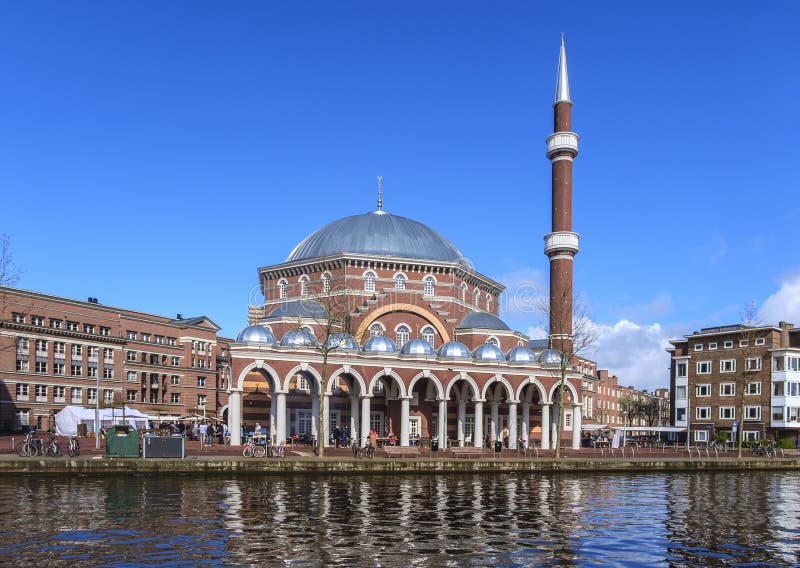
[
  {"x": 9, "y": 272},
  {"x": 569, "y": 313},
  {"x": 650, "y": 409},
  {"x": 751, "y": 363},
  {"x": 630, "y": 408},
  {"x": 333, "y": 326}
]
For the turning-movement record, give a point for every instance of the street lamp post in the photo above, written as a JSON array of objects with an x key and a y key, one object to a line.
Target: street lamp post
[{"x": 97, "y": 413}]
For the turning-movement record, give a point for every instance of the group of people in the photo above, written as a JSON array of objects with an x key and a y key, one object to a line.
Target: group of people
[{"x": 340, "y": 437}]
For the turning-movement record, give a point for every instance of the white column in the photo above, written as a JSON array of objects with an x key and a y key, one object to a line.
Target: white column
[
  {"x": 576, "y": 426},
  {"x": 280, "y": 435},
  {"x": 355, "y": 420},
  {"x": 526, "y": 424},
  {"x": 442, "y": 424},
  {"x": 326, "y": 408},
  {"x": 512, "y": 425},
  {"x": 462, "y": 412},
  {"x": 494, "y": 421},
  {"x": 555, "y": 423},
  {"x": 404, "y": 405},
  {"x": 545, "y": 426},
  {"x": 366, "y": 405},
  {"x": 315, "y": 429},
  {"x": 273, "y": 414},
  {"x": 235, "y": 417},
  {"x": 478, "y": 434}
]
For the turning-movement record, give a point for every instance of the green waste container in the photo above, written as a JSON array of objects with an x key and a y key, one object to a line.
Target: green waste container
[{"x": 122, "y": 442}]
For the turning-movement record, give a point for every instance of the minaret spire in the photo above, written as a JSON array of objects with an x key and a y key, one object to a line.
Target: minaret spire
[
  {"x": 562, "y": 82},
  {"x": 380, "y": 191},
  {"x": 561, "y": 245}
]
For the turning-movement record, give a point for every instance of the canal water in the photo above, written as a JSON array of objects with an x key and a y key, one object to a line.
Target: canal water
[{"x": 693, "y": 519}]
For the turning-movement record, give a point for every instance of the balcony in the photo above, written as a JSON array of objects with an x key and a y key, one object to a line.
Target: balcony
[{"x": 558, "y": 142}]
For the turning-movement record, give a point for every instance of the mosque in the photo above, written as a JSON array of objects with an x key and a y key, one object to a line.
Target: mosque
[{"x": 383, "y": 322}]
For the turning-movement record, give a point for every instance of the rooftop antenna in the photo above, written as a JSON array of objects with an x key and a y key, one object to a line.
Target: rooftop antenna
[{"x": 380, "y": 199}]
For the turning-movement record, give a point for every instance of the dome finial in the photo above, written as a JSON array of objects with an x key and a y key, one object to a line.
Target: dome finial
[
  {"x": 562, "y": 83},
  {"x": 380, "y": 199}
]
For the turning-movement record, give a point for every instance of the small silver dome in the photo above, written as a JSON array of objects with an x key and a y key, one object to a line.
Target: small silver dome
[
  {"x": 379, "y": 344},
  {"x": 521, "y": 355},
  {"x": 342, "y": 341},
  {"x": 551, "y": 357},
  {"x": 255, "y": 334},
  {"x": 488, "y": 352},
  {"x": 299, "y": 309},
  {"x": 454, "y": 350},
  {"x": 417, "y": 347},
  {"x": 298, "y": 338},
  {"x": 482, "y": 320}
]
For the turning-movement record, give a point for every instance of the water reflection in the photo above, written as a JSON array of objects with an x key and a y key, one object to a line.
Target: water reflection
[{"x": 504, "y": 520}]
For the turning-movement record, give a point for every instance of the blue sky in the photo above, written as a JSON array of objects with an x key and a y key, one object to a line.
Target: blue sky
[{"x": 155, "y": 154}]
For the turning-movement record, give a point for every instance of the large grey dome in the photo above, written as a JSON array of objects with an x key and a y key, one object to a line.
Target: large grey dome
[
  {"x": 417, "y": 347},
  {"x": 255, "y": 334},
  {"x": 380, "y": 234},
  {"x": 299, "y": 309},
  {"x": 379, "y": 344},
  {"x": 482, "y": 320},
  {"x": 454, "y": 350}
]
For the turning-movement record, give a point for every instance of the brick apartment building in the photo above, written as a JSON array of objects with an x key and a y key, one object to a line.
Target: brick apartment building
[
  {"x": 56, "y": 352},
  {"x": 718, "y": 371},
  {"x": 602, "y": 394}
]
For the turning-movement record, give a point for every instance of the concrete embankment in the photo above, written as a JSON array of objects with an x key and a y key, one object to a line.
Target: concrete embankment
[{"x": 378, "y": 466}]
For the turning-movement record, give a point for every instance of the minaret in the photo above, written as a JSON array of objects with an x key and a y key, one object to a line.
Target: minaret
[{"x": 561, "y": 245}]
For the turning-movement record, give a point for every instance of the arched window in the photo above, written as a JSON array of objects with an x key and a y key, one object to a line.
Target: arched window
[
  {"x": 488, "y": 302},
  {"x": 282, "y": 288},
  {"x": 476, "y": 297},
  {"x": 304, "y": 285},
  {"x": 375, "y": 330},
  {"x": 429, "y": 285},
  {"x": 464, "y": 292},
  {"x": 429, "y": 334},
  {"x": 369, "y": 282},
  {"x": 493, "y": 341},
  {"x": 326, "y": 283},
  {"x": 399, "y": 282},
  {"x": 402, "y": 332}
]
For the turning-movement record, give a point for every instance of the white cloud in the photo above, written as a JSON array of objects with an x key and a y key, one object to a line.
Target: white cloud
[
  {"x": 520, "y": 303},
  {"x": 634, "y": 353},
  {"x": 783, "y": 305}
]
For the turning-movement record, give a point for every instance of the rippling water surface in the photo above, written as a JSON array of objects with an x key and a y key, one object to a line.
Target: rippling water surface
[{"x": 719, "y": 519}]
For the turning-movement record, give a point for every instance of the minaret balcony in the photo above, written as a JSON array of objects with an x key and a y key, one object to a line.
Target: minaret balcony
[
  {"x": 562, "y": 143},
  {"x": 561, "y": 241}
]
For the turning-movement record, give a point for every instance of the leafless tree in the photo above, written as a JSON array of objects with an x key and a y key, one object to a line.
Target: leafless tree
[
  {"x": 333, "y": 326},
  {"x": 751, "y": 363},
  {"x": 9, "y": 276},
  {"x": 566, "y": 350}
]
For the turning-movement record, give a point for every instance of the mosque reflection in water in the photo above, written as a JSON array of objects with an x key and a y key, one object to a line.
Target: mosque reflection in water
[{"x": 683, "y": 519}]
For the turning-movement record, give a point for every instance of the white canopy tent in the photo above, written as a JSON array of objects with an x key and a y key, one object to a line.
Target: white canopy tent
[{"x": 69, "y": 417}]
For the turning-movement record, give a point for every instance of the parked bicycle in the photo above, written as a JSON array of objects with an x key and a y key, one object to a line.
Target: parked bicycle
[
  {"x": 253, "y": 450},
  {"x": 51, "y": 448},
  {"x": 368, "y": 451},
  {"x": 276, "y": 450},
  {"x": 356, "y": 449},
  {"x": 764, "y": 450},
  {"x": 31, "y": 446},
  {"x": 73, "y": 448}
]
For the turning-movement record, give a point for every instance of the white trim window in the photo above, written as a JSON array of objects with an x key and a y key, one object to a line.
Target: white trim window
[
  {"x": 680, "y": 392},
  {"x": 703, "y": 367},
  {"x": 753, "y": 388},
  {"x": 701, "y": 435},
  {"x": 376, "y": 329},
  {"x": 399, "y": 282},
  {"x": 752, "y": 413},
  {"x": 702, "y": 390},
  {"x": 302, "y": 383},
  {"x": 752, "y": 364},
  {"x": 761, "y": 341},
  {"x": 402, "y": 333},
  {"x": 303, "y": 281},
  {"x": 682, "y": 370},
  {"x": 281, "y": 288},
  {"x": 728, "y": 345},
  {"x": 727, "y": 389},
  {"x": 727, "y": 365},
  {"x": 429, "y": 335},
  {"x": 76, "y": 395},
  {"x": 727, "y": 413},
  {"x": 326, "y": 283},
  {"x": 751, "y": 435},
  {"x": 22, "y": 391},
  {"x": 698, "y": 347},
  {"x": 712, "y": 345},
  {"x": 430, "y": 285},
  {"x": 369, "y": 281},
  {"x": 744, "y": 342},
  {"x": 702, "y": 413}
]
